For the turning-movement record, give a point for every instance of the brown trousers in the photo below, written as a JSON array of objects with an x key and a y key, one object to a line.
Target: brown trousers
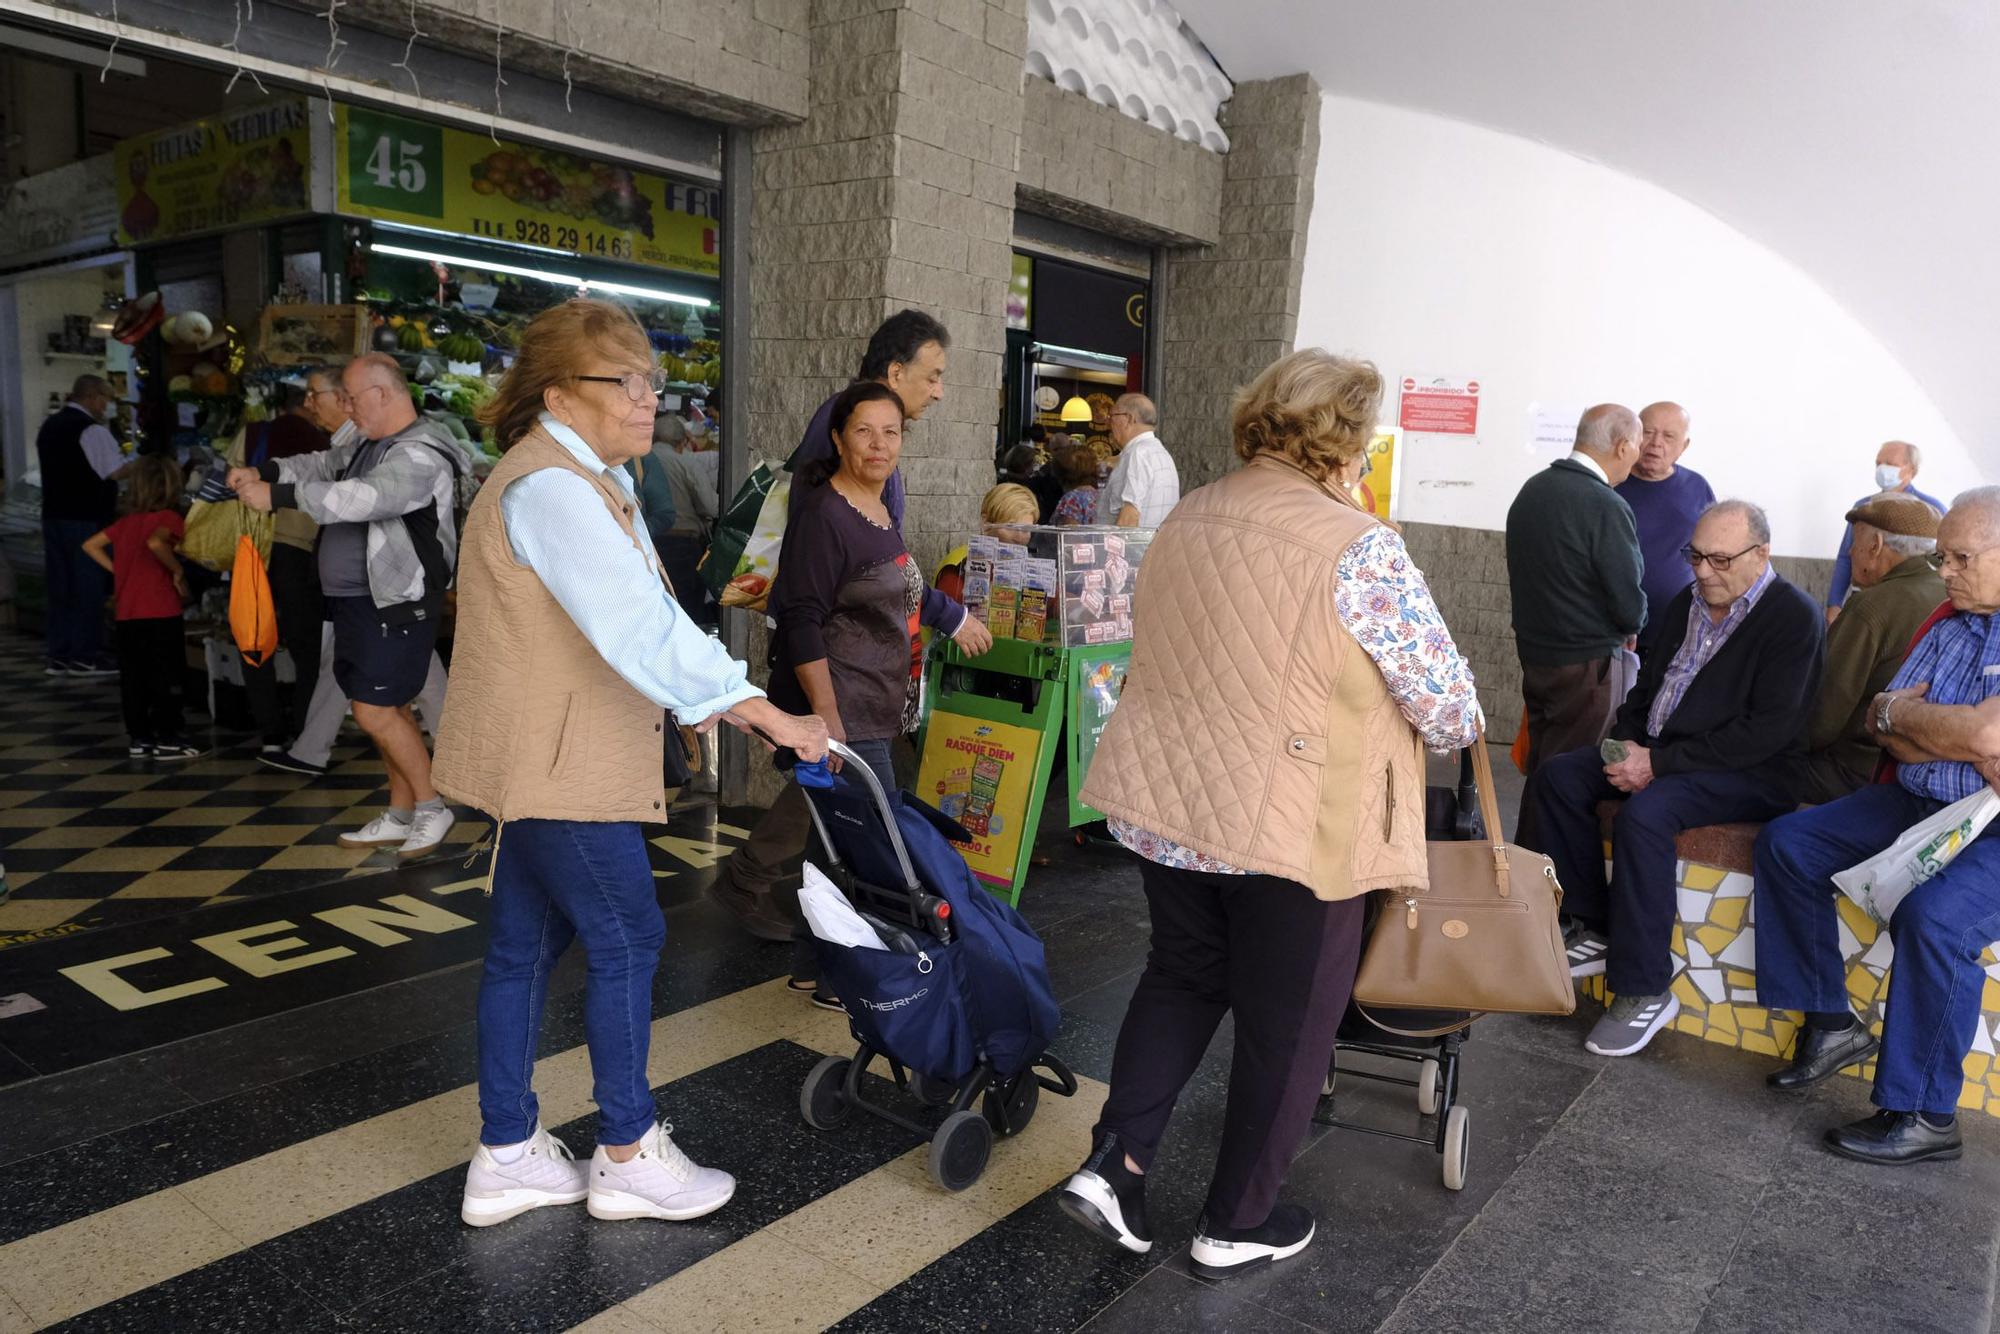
[{"x": 1569, "y": 708}]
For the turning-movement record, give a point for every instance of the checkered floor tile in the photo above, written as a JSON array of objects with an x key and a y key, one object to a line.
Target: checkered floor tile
[{"x": 92, "y": 838}]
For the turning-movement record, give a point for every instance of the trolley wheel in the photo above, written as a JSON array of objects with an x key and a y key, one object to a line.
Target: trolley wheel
[
  {"x": 931, "y": 1092},
  {"x": 1457, "y": 1147},
  {"x": 823, "y": 1097},
  {"x": 1428, "y": 1087},
  {"x": 1326, "y": 1086},
  {"x": 1022, "y": 1100},
  {"x": 960, "y": 1148}
]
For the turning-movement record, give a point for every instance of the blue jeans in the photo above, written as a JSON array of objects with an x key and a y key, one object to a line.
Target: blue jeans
[
  {"x": 556, "y": 881},
  {"x": 1936, "y": 982},
  {"x": 1638, "y": 905},
  {"x": 77, "y": 588}
]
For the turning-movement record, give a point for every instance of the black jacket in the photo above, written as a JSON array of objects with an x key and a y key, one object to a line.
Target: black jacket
[
  {"x": 1747, "y": 710},
  {"x": 1573, "y": 568}
]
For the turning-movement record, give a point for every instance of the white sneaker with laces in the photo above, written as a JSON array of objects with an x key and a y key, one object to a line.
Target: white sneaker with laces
[
  {"x": 427, "y": 831},
  {"x": 384, "y": 831},
  {"x": 545, "y": 1173},
  {"x": 661, "y": 1182}
]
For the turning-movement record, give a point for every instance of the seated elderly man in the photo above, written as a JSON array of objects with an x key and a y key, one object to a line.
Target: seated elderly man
[
  {"x": 1896, "y": 590},
  {"x": 1940, "y": 721},
  {"x": 1714, "y": 731}
]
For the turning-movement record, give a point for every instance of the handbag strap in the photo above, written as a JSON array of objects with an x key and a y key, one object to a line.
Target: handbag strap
[
  {"x": 1489, "y": 810},
  {"x": 1467, "y": 1022}
]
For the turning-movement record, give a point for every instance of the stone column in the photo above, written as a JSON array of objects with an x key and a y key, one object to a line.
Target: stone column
[
  {"x": 1233, "y": 308},
  {"x": 898, "y": 190}
]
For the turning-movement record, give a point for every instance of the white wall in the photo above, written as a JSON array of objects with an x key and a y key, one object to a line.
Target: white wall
[{"x": 1438, "y": 248}]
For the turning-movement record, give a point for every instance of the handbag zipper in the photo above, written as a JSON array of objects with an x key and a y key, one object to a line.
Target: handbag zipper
[{"x": 1459, "y": 905}]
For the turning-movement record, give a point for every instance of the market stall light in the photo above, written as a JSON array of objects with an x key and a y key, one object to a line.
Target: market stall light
[
  {"x": 1076, "y": 410},
  {"x": 543, "y": 275}
]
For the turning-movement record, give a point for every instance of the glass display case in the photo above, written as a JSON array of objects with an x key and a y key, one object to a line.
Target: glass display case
[{"x": 1069, "y": 587}]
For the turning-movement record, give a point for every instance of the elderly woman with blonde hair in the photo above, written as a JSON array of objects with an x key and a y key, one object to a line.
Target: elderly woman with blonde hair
[{"x": 1266, "y": 766}]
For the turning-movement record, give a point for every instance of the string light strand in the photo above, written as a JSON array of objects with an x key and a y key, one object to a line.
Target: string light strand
[
  {"x": 234, "y": 47},
  {"x": 409, "y": 49},
  {"x": 117, "y": 34}
]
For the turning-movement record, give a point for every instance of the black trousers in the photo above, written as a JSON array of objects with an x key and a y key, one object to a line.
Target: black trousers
[
  {"x": 1636, "y": 907},
  {"x": 152, "y": 660},
  {"x": 295, "y": 597},
  {"x": 1283, "y": 961},
  {"x": 1568, "y": 708}
]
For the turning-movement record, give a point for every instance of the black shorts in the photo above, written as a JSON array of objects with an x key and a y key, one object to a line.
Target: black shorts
[{"x": 378, "y": 663}]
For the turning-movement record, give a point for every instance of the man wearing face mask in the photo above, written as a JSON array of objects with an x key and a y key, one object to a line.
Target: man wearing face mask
[{"x": 1895, "y": 470}]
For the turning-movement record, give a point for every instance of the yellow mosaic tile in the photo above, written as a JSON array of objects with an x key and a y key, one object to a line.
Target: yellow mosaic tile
[
  {"x": 1689, "y": 1023},
  {"x": 1704, "y": 878},
  {"x": 1989, "y": 999},
  {"x": 1759, "y": 1043},
  {"x": 1972, "y": 1098},
  {"x": 1728, "y": 912},
  {"x": 1678, "y": 942},
  {"x": 1859, "y": 922},
  {"x": 1722, "y": 1019},
  {"x": 1977, "y": 1063},
  {"x": 1736, "y": 977},
  {"x": 1684, "y": 987},
  {"x": 1714, "y": 939}
]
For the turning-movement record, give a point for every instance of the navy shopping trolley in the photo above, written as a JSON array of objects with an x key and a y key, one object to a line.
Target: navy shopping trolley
[{"x": 958, "y": 1005}]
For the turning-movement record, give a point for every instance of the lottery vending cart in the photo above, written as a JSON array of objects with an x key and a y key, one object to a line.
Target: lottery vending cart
[{"x": 1059, "y": 604}]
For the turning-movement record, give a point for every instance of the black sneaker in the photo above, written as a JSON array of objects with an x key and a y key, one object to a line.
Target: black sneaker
[
  {"x": 139, "y": 750},
  {"x": 1109, "y": 1198},
  {"x": 100, "y": 667},
  {"x": 55, "y": 668},
  {"x": 1223, "y": 1252},
  {"x": 291, "y": 764},
  {"x": 177, "y": 750}
]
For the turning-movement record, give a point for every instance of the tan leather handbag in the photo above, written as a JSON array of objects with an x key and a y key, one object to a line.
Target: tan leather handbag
[{"x": 1483, "y": 938}]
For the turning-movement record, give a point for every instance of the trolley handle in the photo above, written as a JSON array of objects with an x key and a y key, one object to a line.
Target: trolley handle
[{"x": 819, "y": 774}]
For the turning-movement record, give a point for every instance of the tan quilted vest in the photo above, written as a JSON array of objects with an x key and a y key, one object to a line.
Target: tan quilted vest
[
  {"x": 536, "y": 724},
  {"x": 1252, "y": 726}
]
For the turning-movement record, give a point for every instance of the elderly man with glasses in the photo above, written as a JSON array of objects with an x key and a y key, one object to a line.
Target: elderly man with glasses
[
  {"x": 1939, "y": 720},
  {"x": 1713, "y": 732}
]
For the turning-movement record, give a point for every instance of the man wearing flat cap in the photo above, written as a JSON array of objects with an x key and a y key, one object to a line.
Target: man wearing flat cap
[{"x": 1895, "y": 591}]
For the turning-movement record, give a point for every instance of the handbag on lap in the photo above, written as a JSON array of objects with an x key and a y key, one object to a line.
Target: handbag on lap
[{"x": 1483, "y": 938}]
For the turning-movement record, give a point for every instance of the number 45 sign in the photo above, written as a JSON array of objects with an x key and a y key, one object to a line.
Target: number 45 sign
[{"x": 401, "y": 170}]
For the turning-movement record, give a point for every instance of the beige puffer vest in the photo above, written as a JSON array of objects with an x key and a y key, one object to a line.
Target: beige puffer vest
[
  {"x": 1252, "y": 726},
  {"x": 536, "y": 724}
]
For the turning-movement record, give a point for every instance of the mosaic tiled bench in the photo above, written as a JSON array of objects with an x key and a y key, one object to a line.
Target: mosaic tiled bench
[{"x": 1715, "y": 949}]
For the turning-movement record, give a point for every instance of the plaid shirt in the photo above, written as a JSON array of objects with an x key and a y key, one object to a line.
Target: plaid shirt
[
  {"x": 1703, "y": 641},
  {"x": 1960, "y": 658}
]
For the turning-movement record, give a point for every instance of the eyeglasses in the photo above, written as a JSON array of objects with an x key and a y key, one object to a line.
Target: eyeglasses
[
  {"x": 1719, "y": 563},
  {"x": 1941, "y": 558},
  {"x": 337, "y": 395},
  {"x": 637, "y": 383}
]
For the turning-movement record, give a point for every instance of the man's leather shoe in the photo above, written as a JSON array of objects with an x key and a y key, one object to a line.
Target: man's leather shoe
[
  {"x": 1821, "y": 1052},
  {"x": 1895, "y": 1138},
  {"x": 758, "y": 914}
]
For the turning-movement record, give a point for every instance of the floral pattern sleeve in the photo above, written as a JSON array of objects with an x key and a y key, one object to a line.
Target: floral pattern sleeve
[{"x": 1385, "y": 604}]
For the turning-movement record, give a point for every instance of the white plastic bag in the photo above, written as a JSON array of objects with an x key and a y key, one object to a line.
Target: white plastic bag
[
  {"x": 831, "y": 917},
  {"x": 1924, "y": 849}
]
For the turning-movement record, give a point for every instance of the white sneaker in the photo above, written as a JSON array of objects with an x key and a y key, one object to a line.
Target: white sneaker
[
  {"x": 545, "y": 1173},
  {"x": 427, "y": 831},
  {"x": 384, "y": 831},
  {"x": 661, "y": 1182}
]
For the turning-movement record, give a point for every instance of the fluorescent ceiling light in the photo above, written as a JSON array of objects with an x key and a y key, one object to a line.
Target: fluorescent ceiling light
[{"x": 544, "y": 275}]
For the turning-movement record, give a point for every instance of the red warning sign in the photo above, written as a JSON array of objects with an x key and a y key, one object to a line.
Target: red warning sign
[{"x": 1440, "y": 406}]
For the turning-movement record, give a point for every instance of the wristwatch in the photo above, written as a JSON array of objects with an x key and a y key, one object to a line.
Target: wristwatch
[{"x": 1883, "y": 725}]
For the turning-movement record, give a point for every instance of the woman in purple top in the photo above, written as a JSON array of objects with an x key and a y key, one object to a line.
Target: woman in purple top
[{"x": 849, "y": 599}]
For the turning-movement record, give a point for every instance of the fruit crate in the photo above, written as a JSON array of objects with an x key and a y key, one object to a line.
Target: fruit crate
[{"x": 309, "y": 335}]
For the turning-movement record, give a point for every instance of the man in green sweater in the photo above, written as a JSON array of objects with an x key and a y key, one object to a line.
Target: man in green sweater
[
  {"x": 1895, "y": 592},
  {"x": 1573, "y": 565}
]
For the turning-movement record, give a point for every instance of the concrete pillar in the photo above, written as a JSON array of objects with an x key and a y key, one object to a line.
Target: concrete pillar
[
  {"x": 1233, "y": 308},
  {"x": 897, "y": 190}
]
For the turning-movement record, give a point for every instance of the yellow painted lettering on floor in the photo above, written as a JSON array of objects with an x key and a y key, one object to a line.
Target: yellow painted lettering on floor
[
  {"x": 259, "y": 958},
  {"x": 101, "y": 980},
  {"x": 694, "y": 852},
  {"x": 373, "y": 924}
]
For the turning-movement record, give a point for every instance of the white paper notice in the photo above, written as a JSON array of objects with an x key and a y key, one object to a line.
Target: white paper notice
[{"x": 1552, "y": 429}]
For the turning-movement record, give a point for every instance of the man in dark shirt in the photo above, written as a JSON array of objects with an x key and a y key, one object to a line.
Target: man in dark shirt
[
  {"x": 1666, "y": 499},
  {"x": 80, "y": 466},
  {"x": 1713, "y": 732},
  {"x": 907, "y": 353},
  {"x": 1573, "y": 567}
]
